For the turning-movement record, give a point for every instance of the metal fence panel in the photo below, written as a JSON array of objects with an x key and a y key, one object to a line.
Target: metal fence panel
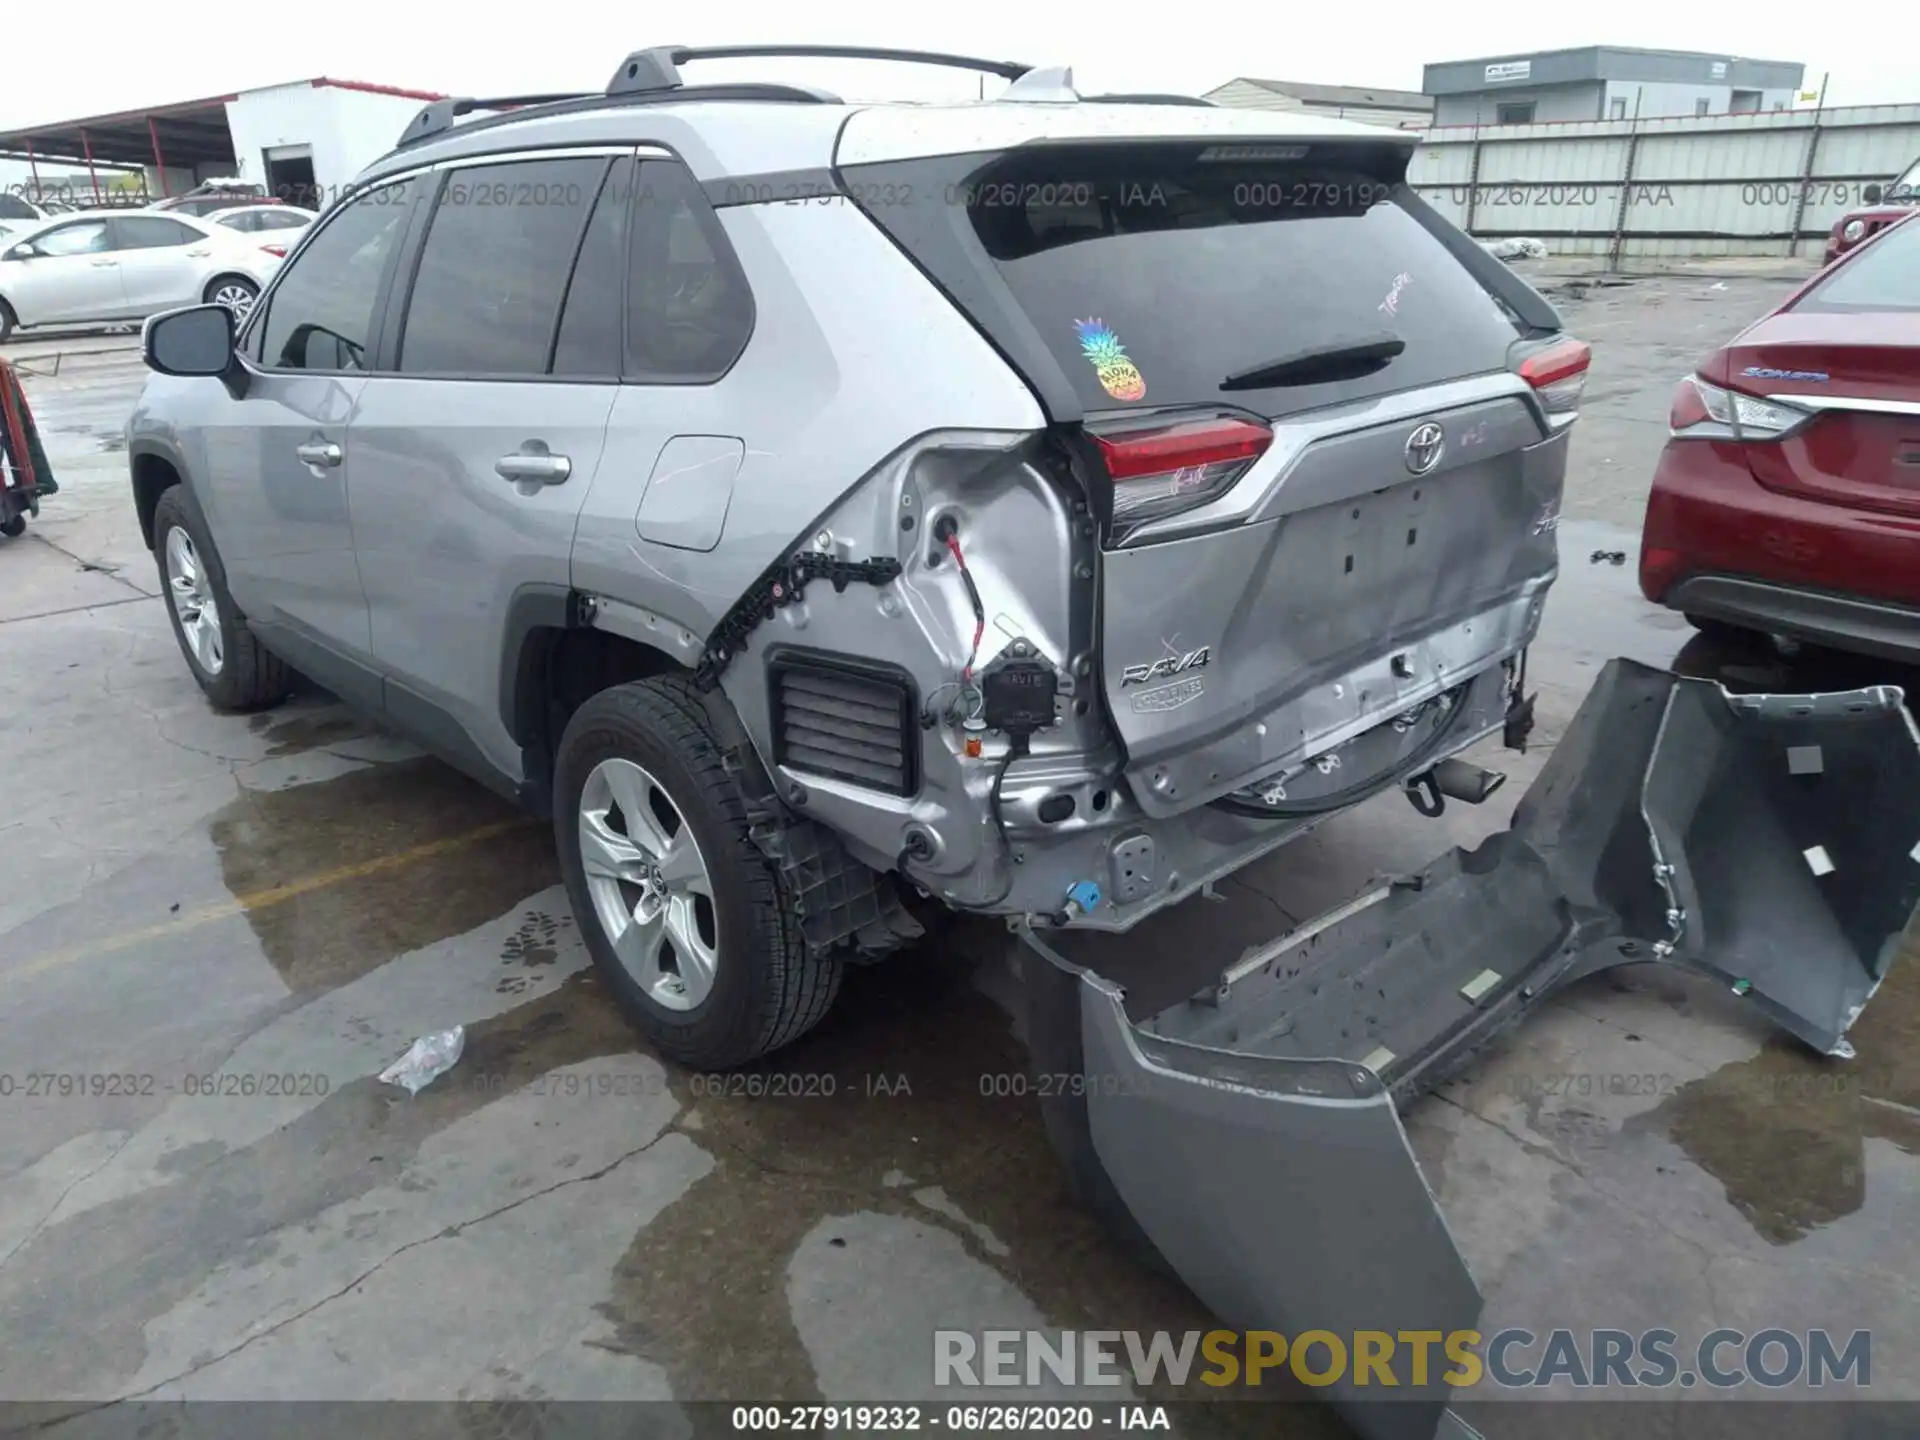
[{"x": 1678, "y": 186}]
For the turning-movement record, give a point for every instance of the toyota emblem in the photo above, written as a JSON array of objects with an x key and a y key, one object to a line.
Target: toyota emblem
[{"x": 1425, "y": 447}]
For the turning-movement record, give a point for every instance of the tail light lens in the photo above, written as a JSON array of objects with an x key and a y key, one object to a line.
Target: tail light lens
[
  {"x": 277, "y": 251},
  {"x": 1558, "y": 375},
  {"x": 1165, "y": 469},
  {"x": 1703, "y": 411}
]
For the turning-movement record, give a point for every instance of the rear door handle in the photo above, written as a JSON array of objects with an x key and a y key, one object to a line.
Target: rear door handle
[
  {"x": 535, "y": 463},
  {"x": 105, "y": 264},
  {"x": 319, "y": 452}
]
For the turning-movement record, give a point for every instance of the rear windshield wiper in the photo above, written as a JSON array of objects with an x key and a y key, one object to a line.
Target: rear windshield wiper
[{"x": 1342, "y": 360}]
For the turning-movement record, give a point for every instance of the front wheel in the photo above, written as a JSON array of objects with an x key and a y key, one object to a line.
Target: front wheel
[
  {"x": 684, "y": 917},
  {"x": 7, "y": 322},
  {"x": 236, "y": 293},
  {"x": 232, "y": 667}
]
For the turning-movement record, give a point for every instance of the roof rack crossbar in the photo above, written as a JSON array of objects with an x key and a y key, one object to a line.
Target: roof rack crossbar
[{"x": 658, "y": 68}]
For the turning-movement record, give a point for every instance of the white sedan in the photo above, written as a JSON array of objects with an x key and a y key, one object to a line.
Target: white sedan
[
  {"x": 109, "y": 267},
  {"x": 271, "y": 225}
]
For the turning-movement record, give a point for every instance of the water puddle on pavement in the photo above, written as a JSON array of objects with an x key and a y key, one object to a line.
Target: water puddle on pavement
[
  {"x": 297, "y": 734},
  {"x": 321, "y": 938},
  {"x": 1785, "y": 1132}
]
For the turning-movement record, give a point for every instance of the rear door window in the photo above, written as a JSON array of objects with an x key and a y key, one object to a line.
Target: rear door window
[
  {"x": 1152, "y": 277},
  {"x": 590, "y": 322},
  {"x": 151, "y": 232},
  {"x": 1882, "y": 276},
  {"x": 499, "y": 248}
]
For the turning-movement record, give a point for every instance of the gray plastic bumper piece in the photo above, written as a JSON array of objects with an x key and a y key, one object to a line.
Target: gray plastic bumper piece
[{"x": 1251, "y": 1133}]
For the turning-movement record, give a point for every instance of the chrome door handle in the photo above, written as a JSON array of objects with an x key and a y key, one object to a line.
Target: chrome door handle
[
  {"x": 319, "y": 453},
  {"x": 537, "y": 466},
  {"x": 105, "y": 264},
  {"x": 200, "y": 253}
]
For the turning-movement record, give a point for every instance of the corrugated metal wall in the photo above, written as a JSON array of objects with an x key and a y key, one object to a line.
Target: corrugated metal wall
[{"x": 1769, "y": 184}]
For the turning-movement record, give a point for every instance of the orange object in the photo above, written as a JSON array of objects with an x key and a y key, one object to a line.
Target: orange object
[{"x": 973, "y": 747}]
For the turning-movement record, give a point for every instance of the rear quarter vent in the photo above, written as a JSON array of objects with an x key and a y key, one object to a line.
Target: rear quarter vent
[{"x": 845, "y": 718}]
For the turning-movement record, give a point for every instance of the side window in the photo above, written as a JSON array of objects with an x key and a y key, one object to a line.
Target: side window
[
  {"x": 689, "y": 311},
  {"x": 589, "y": 343},
  {"x": 320, "y": 314},
  {"x": 151, "y": 232},
  {"x": 88, "y": 237},
  {"x": 245, "y": 221},
  {"x": 499, "y": 249}
]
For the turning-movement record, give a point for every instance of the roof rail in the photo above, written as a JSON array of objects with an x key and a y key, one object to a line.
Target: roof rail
[
  {"x": 438, "y": 117},
  {"x": 658, "y": 68},
  {"x": 441, "y": 114}
]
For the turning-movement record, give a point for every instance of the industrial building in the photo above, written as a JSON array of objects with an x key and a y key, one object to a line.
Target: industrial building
[
  {"x": 1402, "y": 109},
  {"x": 1606, "y": 82},
  {"x": 303, "y": 141}
]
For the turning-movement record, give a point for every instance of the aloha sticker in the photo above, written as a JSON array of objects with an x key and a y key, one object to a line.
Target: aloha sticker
[{"x": 1118, "y": 375}]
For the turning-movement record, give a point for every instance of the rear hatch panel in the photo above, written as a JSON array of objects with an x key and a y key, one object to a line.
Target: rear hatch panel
[{"x": 1251, "y": 1130}]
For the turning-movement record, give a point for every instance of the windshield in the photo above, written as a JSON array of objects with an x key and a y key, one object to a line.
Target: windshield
[
  {"x": 1883, "y": 276},
  {"x": 1907, "y": 187}
]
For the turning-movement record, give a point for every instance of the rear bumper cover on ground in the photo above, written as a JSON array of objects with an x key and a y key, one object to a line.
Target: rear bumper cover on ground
[{"x": 1252, "y": 1131}]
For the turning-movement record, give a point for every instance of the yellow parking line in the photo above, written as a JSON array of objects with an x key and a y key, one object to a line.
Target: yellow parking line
[{"x": 260, "y": 900}]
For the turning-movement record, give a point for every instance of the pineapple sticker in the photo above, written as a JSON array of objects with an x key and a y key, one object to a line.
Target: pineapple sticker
[{"x": 1118, "y": 375}]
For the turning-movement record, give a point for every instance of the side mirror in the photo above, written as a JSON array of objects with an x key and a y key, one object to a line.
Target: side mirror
[
  {"x": 23, "y": 251},
  {"x": 197, "y": 341},
  {"x": 1871, "y": 194}
]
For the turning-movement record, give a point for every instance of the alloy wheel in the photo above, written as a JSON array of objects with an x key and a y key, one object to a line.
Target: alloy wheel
[
  {"x": 191, "y": 592},
  {"x": 650, "y": 886}
]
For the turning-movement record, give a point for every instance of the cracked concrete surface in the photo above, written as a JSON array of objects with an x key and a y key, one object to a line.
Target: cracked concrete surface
[{"x": 220, "y": 1202}]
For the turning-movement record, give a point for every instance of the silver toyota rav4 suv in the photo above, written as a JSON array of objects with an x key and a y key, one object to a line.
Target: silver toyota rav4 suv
[{"x": 1043, "y": 507}]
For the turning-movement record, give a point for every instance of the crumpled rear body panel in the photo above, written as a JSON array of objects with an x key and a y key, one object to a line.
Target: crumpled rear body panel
[{"x": 1251, "y": 1131}]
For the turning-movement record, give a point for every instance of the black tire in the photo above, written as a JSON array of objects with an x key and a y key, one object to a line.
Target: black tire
[
  {"x": 249, "y": 677},
  {"x": 14, "y": 527},
  {"x": 767, "y": 991},
  {"x": 8, "y": 322}
]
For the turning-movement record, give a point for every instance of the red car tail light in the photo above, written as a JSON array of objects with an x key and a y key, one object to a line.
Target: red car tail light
[
  {"x": 1166, "y": 469},
  {"x": 1558, "y": 375},
  {"x": 277, "y": 250}
]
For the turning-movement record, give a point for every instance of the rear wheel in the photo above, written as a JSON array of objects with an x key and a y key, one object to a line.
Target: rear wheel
[
  {"x": 8, "y": 322},
  {"x": 236, "y": 293},
  {"x": 686, "y": 921},
  {"x": 13, "y": 527},
  {"x": 231, "y": 666}
]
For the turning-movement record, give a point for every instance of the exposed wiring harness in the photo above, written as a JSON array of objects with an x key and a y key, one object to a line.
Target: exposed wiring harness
[
  {"x": 979, "y": 607},
  {"x": 1016, "y": 747}
]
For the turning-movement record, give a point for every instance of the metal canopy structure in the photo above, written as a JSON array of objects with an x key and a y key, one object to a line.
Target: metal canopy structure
[{"x": 187, "y": 135}]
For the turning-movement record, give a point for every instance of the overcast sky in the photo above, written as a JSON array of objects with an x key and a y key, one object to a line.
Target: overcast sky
[{"x": 59, "y": 62}]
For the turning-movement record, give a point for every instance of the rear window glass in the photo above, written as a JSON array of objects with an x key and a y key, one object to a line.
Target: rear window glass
[
  {"x": 1152, "y": 283},
  {"x": 1882, "y": 276}
]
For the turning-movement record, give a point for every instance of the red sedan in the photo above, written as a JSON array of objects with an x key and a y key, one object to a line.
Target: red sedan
[{"x": 1787, "y": 500}]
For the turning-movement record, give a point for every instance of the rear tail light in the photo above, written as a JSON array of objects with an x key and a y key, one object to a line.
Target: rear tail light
[
  {"x": 278, "y": 251},
  {"x": 1558, "y": 375},
  {"x": 1165, "y": 469},
  {"x": 1702, "y": 411}
]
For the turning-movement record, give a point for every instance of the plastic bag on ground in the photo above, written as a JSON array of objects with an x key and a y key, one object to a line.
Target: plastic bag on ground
[
  {"x": 1516, "y": 247},
  {"x": 426, "y": 1060}
]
